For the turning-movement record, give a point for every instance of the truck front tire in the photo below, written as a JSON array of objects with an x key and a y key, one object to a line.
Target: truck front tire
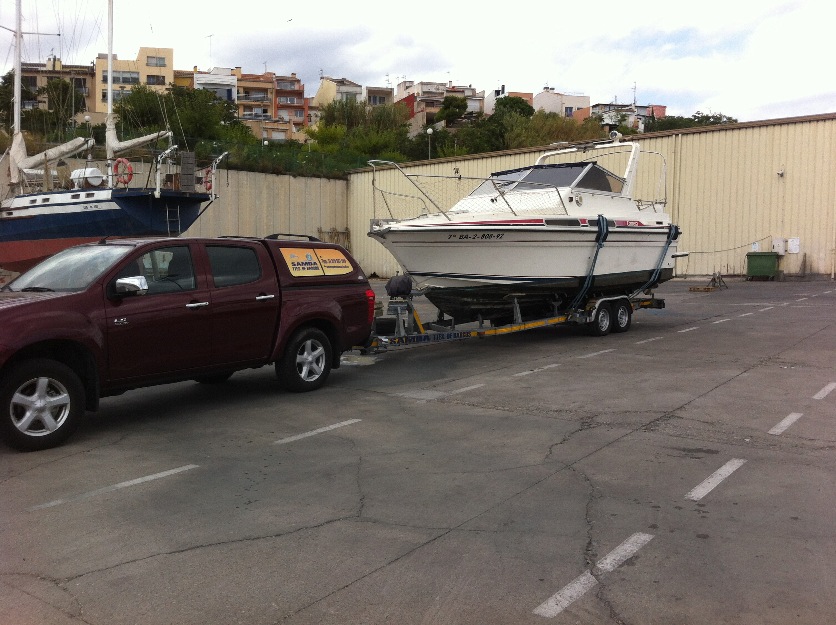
[
  {"x": 306, "y": 363},
  {"x": 42, "y": 402}
]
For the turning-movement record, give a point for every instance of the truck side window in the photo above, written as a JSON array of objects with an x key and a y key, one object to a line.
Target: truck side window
[
  {"x": 233, "y": 265},
  {"x": 167, "y": 269}
]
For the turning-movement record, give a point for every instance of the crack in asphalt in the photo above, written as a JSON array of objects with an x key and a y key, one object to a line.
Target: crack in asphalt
[{"x": 78, "y": 615}]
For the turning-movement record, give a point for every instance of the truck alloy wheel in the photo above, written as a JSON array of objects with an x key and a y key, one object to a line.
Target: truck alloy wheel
[
  {"x": 43, "y": 401},
  {"x": 306, "y": 362}
]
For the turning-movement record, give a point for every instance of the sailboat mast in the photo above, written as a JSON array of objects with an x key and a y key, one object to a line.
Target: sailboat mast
[
  {"x": 18, "y": 85},
  {"x": 109, "y": 56}
]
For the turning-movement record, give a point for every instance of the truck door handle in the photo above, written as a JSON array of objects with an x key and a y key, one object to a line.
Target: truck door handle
[
  {"x": 260, "y": 298},
  {"x": 197, "y": 304}
]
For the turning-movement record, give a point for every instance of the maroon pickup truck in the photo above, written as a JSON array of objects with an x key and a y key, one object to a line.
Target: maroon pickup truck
[{"x": 99, "y": 319}]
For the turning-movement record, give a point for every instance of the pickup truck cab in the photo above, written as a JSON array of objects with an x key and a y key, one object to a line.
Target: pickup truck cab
[{"x": 96, "y": 320}]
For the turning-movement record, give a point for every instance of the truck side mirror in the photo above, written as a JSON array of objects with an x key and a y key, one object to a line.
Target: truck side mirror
[{"x": 135, "y": 285}]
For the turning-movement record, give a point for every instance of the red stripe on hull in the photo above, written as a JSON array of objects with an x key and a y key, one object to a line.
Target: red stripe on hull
[{"x": 18, "y": 256}]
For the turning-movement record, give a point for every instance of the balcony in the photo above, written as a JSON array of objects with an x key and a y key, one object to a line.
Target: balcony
[
  {"x": 253, "y": 97},
  {"x": 264, "y": 117}
]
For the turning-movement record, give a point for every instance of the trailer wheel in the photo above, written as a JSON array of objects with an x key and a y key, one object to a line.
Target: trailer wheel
[
  {"x": 622, "y": 316},
  {"x": 601, "y": 324},
  {"x": 306, "y": 363},
  {"x": 43, "y": 403}
]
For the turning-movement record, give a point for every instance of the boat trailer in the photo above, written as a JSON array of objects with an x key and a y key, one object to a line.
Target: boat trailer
[{"x": 403, "y": 325}]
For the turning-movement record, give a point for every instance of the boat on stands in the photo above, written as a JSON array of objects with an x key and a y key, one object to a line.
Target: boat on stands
[
  {"x": 48, "y": 207},
  {"x": 533, "y": 241}
]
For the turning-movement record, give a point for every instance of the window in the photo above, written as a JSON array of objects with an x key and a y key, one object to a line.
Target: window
[
  {"x": 568, "y": 111},
  {"x": 156, "y": 61},
  {"x": 348, "y": 97},
  {"x": 287, "y": 100},
  {"x": 299, "y": 114},
  {"x": 286, "y": 86},
  {"x": 117, "y": 95},
  {"x": 123, "y": 78},
  {"x": 233, "y": 265},
  {"x": 151, "y": 79},
  {"x": 167, "y": 269},
  {"x": 29, "y": 82},
  {"x": 376, "y": 100}
]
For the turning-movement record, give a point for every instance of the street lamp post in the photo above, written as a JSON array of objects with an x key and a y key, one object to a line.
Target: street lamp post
[{"x": 429, "y": 143}]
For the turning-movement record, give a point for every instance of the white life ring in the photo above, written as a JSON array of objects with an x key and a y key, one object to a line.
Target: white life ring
[{"x": 123, "y": 170}]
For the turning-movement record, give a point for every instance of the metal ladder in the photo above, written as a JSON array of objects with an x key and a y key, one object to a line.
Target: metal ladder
[{"x": 172, "y": 217}]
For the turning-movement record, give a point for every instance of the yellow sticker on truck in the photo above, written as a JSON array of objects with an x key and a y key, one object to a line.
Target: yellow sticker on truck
[
  {"x": 334, "y": 262},
  {"x": 302, "y": 262}
]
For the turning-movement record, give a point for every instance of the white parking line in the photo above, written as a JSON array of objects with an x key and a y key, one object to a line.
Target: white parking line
[
  {"x": 290, "y": 439},
  {"x": 785, "y": 423},
  {"x": 655, "y": 338},
  {"x": 689, "y": 329},
  {"x": 107, "y": 489},
  {"x": 721, "y": 321},
  {"x": 767, "y": 308},
  {"x": 603, "y": 351},
  {"x": 802, "y": 299},
  {"x": 746, "y": 314},
  {"x": 576, "y": 589},
  {"x": 570, "y": 593},
  {"x": 530, "y": 371},
  {"x": 714, "y": 480},
  {"x": 465, "y": 389},
  {"x": 825, "y": 391}
]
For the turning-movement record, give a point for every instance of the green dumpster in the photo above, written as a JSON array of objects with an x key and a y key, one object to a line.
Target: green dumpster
[{"x": 761, "y": 265}]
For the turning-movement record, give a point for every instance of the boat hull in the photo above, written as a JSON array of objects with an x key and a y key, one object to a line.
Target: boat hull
[
  {"x": 35, "y": 226},
  {"x": 475, "y": 271}
]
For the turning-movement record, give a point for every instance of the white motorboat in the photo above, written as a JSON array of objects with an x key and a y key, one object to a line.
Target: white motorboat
[{"x": 545, "y": 238}]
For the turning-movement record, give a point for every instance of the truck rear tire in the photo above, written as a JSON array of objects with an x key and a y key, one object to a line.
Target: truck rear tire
[
  {"x": 306, "y": 363},
  {"x": 42, "y": 402}
]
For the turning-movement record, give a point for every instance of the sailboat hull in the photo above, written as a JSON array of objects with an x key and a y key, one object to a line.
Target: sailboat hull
[{"x": 35, "y": 226}]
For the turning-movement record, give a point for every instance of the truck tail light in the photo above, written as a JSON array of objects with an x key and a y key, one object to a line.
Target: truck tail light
[{"x": 370, "y": 302}]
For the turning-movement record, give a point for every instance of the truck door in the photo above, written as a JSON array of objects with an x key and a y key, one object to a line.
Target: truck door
[
  {"x": 245, "y": 302},
  {"x": 167, "y": 329}
]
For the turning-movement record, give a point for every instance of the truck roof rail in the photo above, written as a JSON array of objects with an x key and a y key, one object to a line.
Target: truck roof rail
[{"x": 287, "y": 234}]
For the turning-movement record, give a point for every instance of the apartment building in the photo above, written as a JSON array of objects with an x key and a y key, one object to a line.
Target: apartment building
[
  {"x": 424, "y": 100},
  {"x": 153, "y": 67},
  {"x": 631, "y": 115},
  {"x": 378, "y": 96},
  {"x": 492, "y": 96},
  {"x": 331, "y": 89},
  {"x": 36, "y": 75},
  {"x": 564, "y": 104}
]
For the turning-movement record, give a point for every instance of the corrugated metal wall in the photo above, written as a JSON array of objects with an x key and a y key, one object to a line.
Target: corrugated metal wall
[
  {"x": 253, "y": 204},
  {"x": 723, "y": 189}
]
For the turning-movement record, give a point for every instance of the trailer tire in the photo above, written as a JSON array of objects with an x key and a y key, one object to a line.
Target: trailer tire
[
  {"x": 306, "y": 362},
  {"x": 622, "y": 316},
  {"x": 601, "y": 324}
]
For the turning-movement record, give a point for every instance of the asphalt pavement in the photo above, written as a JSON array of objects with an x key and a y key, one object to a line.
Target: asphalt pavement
[{"x": 679, "y": 473}]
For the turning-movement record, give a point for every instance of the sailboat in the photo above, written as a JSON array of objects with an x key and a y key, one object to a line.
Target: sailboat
[{"x": 49, "y": 210}]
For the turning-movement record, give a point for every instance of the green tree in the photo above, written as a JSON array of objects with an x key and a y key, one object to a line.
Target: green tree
[
  {"x": 7, "y": 91},
  {"x": 452, "y": 108},
  {"x": 512, "y": 104},
  {"x": 675, "y": 122}
]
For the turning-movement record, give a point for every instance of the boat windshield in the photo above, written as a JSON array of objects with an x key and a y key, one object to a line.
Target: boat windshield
[
  {"x": 73, "y": 269},
  {"x": 592, "y": 176}
]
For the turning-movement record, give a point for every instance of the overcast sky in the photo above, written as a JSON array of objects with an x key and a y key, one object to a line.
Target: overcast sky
[{"x": 749, "y": 60}]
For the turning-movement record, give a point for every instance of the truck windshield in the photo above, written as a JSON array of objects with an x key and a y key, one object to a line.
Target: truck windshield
[{"x": 73, "y": 269}]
